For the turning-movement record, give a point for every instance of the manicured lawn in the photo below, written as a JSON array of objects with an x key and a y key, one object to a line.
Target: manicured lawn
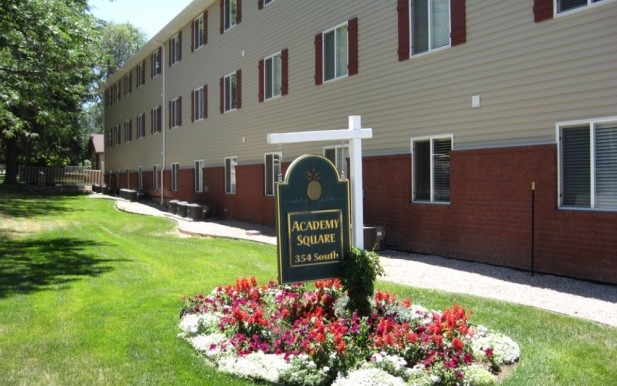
[{"x": 91, "y": 295}]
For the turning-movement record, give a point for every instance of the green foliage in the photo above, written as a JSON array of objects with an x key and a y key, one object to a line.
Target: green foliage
[{"x": 360, "y": 270}]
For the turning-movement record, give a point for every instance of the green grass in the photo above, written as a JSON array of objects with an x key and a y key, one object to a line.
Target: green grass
[{"x": 91, "y": 295}]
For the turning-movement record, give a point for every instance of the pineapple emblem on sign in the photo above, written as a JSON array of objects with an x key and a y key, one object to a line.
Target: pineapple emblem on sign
[{"x": 313, "y": 189}]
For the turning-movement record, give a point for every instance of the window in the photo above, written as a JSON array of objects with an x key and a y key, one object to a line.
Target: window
[
  {"x": 230, "y": 14},
  {"x": 199, "y": 176},
  {"x": 175, "y": 49},
  {"x": 262, "y": 3},
  {"x": 141, "y": 74},
  {"x": 568, "y": 5},
  {"x": 117, "y": 179},
  {"x": 230, "y": 174},
  {"x": 128, "y": 83},
  {"x": 431, "y": 168},
  {"x": 272, "y": 172},
  {"x": 110, "y": 138},
  {"x": 118, "y": 89},
  {"x": 199, "y": 32},
  {"x": 155, "y": 120},
  {"x": 175, "y": 168},
  {"x": 155, "y": 63},
  {"x": 128, "y": 131},
  {"x": 427, "y": 25},
  {"x": 175, "y": 112},
  {"x": 336, "y": 52},
  {"x": 140, "y": 122},
  {"x": 128, "y": 178},
  {"x": 230, "y": 92},
  {"x": 118, "y": 135},
  {"x": 155, "y": 177},
  {"x": 199, "y": 104},
  {"x": 338, "y": 155},
  {"x": 273, "y": 72},
  {"x": 588, "y": 164},
  {"x": 140, "y": 178}
]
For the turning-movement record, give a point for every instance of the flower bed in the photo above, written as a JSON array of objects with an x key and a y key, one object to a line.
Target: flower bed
[{"x": 290, "y": 335}]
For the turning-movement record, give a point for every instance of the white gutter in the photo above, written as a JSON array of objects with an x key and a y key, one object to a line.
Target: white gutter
[{"x": 162, "y": 123}]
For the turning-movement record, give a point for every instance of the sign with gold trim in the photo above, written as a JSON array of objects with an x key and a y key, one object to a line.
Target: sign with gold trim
[{"x": 312, "y": 220}]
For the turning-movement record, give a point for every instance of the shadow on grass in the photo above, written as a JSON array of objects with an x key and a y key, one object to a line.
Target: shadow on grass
[
  {"x": 25, "y": 201},
  {"x": 27, "y": 266}
]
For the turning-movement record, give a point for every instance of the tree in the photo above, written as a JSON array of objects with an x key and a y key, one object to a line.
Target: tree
[
  {"x": 115, "y": 44},
  {"x": 46, "y": 59}
]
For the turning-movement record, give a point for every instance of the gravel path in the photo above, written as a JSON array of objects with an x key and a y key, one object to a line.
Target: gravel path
[{"x": 578, "y": 298}]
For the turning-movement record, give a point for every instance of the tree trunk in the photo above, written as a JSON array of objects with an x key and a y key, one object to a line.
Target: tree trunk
[{"x": 11, "y": 161}]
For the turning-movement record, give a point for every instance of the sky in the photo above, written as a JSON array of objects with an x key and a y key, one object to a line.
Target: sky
[{"x": 148, "y": 15}]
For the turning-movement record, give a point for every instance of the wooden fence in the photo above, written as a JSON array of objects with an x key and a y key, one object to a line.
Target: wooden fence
[{"x": 53, "y": 176}]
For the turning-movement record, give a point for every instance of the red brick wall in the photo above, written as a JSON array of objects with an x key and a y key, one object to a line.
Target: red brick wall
[{"x": 489, "y": 215}]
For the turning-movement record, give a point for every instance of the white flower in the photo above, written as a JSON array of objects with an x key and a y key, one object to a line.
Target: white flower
[
  {"x": 368, "y": 377},
  {"x": 255, "y": 365}
]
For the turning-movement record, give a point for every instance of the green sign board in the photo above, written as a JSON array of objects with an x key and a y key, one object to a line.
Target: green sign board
[{"x": 312, "y": 220}]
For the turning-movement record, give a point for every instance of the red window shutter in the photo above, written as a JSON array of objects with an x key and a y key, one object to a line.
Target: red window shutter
[
  {"x": 152, "y": 121},
  {"x": 169, "y": 53},
  {"x": 159, "y": 115},
  {"x": 143, "y": 72},
  {"x": 318, "y": 59},
  {"x": 222, "y": 96},
  {"x": 119, "y": 89},
  {"x": 193, "y": 106},
  {"x": 159, "y": 60},
  {"x": 205, "y": 27},
  {"x": 179, "y": 111},
  {"x": 542, "y": 10},
  {"x": 238, "y": 11},
  {"x": 260, "y": 4},
  {"x": 152, "y": 66},
  {"x": 261, "y": 80},
  {"x": 222, "y": 12},
  {"x": 193, "y": 36},
  {"x": 352, "y": 36},
  {"x": 180, "y": 46},
  {"x": 284, "y": 72},
  {"x": 238, "y": 88},
  {"x": 459, "y": 28},
  {"x": 403, "y": 29},
  {"x": 205, "y": 101},
  {"x": 169, "y": 113},
  {"x": 130, "y": 81}
]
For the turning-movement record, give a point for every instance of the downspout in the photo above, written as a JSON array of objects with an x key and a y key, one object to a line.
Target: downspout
[{"x": 162, "y": 123}]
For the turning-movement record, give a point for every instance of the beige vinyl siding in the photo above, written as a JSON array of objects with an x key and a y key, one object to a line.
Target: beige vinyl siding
[{"x": 529, "y": 76}]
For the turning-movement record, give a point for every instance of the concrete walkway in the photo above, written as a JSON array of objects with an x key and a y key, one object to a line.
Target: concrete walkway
[{"x": 578, "y": 298}]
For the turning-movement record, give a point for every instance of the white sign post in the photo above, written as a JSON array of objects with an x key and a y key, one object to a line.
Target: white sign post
[{"x": 355, "y": 134}]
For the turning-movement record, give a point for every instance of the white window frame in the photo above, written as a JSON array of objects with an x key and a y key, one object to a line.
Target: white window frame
[
  {"x": 175, "y": 47},
  {"x": 175, "y": 170},
  {"x": 175, "y": 112},
  {"x": 155, "y": 177},
  {"x": 156, "y": 122},
  {"x": 593, "y": 167},
  {"x": 430, "y": 48},
  {"x": 128, "y": 84},
  {"x": 199, "y": 94},
  {"x": 590, "y": 4},
  {"x": 231, "y": 92},
  {"x": 230, "y": 17},
  {"x": 140, "y": 178},
  {"x": 128, "y": 179},
  {"x": 336, "y": 58},
  {"x": 272, "y": 172},
  {"x": 198, "y": 32},
  {"x": 199, "y": 175},
  {"x": 128, "y": 130},
  {"x": 273, "y": 76},
  {"x": 141, "y": 76},
  {"x": 156, "y": 63},
  {"x": 341, "y": 153},
  {"x": 140, "y": 123},
  {"x": 433, "y": 199},
  {"x": 231, "y": 163}
]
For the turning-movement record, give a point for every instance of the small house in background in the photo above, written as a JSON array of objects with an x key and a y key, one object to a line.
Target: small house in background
[{"x": 96, "y": 151}]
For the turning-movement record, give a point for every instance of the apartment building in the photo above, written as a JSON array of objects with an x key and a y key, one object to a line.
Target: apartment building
[{"x": 476, "y": 107}]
